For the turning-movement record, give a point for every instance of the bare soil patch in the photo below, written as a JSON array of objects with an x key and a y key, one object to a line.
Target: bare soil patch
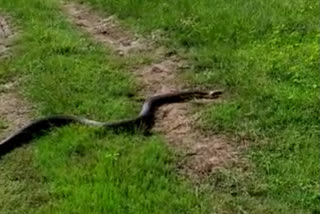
[
  {"x": 175, "y": 122},
  {"x": 105, "y": 30},
  {"x": 6, "y": 34},
  {"x": 14, "y": 110}
]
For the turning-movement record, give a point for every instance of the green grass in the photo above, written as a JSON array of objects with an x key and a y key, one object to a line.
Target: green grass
[
  {"x": 118, "y": 174},
  {"x": 3, "y": 124},
  {"x": 22, "y": 188},
  {"x": 263, "y": 53}
]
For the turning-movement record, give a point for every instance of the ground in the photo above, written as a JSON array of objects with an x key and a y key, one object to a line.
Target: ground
[{"x": 252, "y": 151}]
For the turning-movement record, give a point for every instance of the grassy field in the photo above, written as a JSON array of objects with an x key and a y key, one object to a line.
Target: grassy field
[{"x": 265, "y": 54}]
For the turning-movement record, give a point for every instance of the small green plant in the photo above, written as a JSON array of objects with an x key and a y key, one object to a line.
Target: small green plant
[{"x": 3, "y": 125}]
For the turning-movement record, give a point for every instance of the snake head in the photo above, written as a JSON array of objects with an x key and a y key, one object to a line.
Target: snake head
[{"x": 214, "y": 94}]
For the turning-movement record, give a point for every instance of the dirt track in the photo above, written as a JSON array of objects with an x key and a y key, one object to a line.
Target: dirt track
[
  {"x": 175, "y": 122},
  {"x": 14, "y": 110}
]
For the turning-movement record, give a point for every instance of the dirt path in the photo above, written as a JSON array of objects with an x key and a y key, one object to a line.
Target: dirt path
[
  {"x": 207, "y": 152},
  {"x": 6, "y": 34},
  {"x": 14, "y": 110}
]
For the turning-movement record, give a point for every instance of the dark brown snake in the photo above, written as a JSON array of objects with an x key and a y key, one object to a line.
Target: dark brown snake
[{"x": 144, "y": 120}]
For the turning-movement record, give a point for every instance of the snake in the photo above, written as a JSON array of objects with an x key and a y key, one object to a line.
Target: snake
[{"x": 144, "y": 121}]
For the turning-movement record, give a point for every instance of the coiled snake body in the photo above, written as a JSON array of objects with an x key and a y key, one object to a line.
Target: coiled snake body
[{"x": 144, "y": 120}]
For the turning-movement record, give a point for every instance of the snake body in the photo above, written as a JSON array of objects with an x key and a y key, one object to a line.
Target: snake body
[{"x": 144, "y": 120}]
